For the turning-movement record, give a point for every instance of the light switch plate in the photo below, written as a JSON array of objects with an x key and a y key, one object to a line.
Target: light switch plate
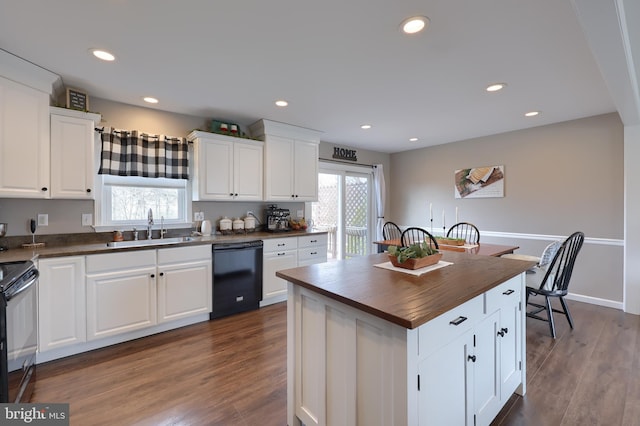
[
  {"x": 43, "y": 219},
  {"x": 87, "y": 219}
]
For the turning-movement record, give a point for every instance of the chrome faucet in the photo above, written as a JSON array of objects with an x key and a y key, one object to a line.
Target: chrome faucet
[{"x": 149, "y": 224}]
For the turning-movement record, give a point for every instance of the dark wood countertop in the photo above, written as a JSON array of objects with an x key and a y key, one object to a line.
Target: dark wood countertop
[
  {"x": 401, "y": 298},
  {"x": 15, "y": 254}
]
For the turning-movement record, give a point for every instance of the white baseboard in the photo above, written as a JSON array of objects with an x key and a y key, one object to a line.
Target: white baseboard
[{"x": 595, "y": 301}]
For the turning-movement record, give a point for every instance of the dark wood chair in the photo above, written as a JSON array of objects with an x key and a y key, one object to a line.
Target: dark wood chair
[
  {"x": 555, "y": 282},
  {"x": 391, "y": 231},
  {"x": 415, "y": 235},
  {"x": 465, "y": 230}
]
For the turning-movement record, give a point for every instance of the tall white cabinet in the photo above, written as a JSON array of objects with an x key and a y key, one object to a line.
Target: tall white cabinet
[
  {"x": 291, "y": 161},
  {"x": 226, "y": 168},
  {"x": 24, "y": 141},
  {"x": 72, "y": 153}
]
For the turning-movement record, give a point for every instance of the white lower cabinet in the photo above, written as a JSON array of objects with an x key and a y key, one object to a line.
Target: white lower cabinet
[
  {"x": 128, "y": 291},
  {"x": 121, "y": 292},
  {"x": 278, "y": 253},
  {"x": 348, "y": 367},
  {"x": 312, "y": 249},
  {"x": 61, "y": 302},
  {"x": 285, "y": 253},
  {"x": 184, "y": 282}
]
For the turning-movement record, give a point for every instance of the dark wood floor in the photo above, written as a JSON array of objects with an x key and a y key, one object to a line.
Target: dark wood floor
[{"x": 232, "y": 371}]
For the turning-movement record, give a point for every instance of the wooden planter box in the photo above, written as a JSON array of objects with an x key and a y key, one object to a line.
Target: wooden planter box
[{"x": 416, "y": 263}]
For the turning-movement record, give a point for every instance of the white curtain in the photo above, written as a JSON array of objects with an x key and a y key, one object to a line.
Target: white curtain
[{"x": 380, "y": 191}]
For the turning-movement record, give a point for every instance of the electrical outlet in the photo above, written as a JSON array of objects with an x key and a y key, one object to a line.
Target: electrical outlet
[
  {"x": 87, "y": 219},
  {"x": 249, "y": 213},
  {"x": 43, "y": 219},
  {"x": 300, "y": 214},
  {"x": 198, "y": 216}
]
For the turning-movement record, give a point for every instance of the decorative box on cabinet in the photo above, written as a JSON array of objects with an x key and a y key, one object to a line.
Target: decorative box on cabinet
[
  {"x": 72, "y": 153},
  {"x": 291, "y": 161},
  {"x": 226, "y": 168}
]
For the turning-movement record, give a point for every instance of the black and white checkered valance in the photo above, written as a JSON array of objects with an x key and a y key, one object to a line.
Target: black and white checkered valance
[{"x": 128, "y": 153}]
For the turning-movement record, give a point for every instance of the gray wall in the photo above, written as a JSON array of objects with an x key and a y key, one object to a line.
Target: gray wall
[{"x": 558, "y": 179}]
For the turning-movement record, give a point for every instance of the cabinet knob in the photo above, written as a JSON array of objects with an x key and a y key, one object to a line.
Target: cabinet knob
[
  {"x": 293, "y": 195},
  {"x": 162, "y": 274},
  {"x": 235, "y": 195},
  {"x": 153, "y": 275},
  {"x": 471, "y": 358},
  {"x": 296, "y": 195},
  {"x": 231, "y": 194},
  {"x": 88, "y": 189},
  {"x": 44, "y": 188}
]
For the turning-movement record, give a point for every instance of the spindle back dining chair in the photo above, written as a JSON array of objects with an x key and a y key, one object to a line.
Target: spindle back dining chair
[
  {"x": 415, "y": 235},
  {"x": 391, "y": 231},
  {"x": 465, "y": 230},
  {"x": 555, "y": 282}
]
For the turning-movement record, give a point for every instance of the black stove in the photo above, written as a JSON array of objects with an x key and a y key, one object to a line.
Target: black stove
[{"x": 18, "y": 330}]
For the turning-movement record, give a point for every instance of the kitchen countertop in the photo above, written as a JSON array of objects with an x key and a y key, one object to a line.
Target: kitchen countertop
[
  {"x": 75, "y": 249},
  {"x": 401, "y": 298}
]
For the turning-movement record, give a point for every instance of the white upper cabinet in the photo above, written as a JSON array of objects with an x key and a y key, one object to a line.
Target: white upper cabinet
[
  {"x": 291, "y": 161},
  {"x": 72, "y": 153},
  {"x": 226, "y": 168},
  {"x": 24, "y": 141}
]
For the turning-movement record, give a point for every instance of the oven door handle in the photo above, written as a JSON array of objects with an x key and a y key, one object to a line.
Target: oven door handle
[{"x": 24, "y": 285}]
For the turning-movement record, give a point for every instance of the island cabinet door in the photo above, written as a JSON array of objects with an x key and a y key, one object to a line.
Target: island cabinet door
[
  {"x": 486, "y": 372},
  {"x": 445, "y": 384}
]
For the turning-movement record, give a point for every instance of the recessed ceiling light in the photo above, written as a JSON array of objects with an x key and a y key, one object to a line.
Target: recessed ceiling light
[
  {"x": 496, "y": 86},
  {"x": 103, "y": 54},
  {"x": 415, "y": 24},
  {"x": 365, "y": 126},
  {"x": 282, "y": 103},
  {"x": 413, "y": 139},
  {"x": 532, "y": 113},
  {"x": 150, "y": 100}
]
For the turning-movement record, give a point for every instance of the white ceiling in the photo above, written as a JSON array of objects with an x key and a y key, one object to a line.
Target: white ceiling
[{"x": 339, "y": 63}]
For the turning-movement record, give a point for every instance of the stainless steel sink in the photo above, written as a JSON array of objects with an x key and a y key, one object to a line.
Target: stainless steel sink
[{"x": 144, "y": 243}]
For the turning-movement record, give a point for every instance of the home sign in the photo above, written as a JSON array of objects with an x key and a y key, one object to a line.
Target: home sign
[{"x": 344, "y": 154}]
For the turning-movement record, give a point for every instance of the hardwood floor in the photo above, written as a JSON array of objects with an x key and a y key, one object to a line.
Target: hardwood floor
[{"x": 232, "y": 371}]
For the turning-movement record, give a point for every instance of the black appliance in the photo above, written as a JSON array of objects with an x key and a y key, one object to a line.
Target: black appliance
[
  {"x": 18, "y": 330},
  {"x": 277, "y": 219},
  {"x": 237, "y": 277}
]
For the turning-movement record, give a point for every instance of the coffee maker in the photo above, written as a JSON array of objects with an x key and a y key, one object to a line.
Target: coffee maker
[{"x": 277, "y": 218}]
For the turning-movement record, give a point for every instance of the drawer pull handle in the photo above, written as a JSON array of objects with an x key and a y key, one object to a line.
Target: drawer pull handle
[
  {"x": 472, "y": 358},
  {"x": 458, "y": 320},
  {"x": 314, "y": 252},
  {"x": 282, "y": 244},
  {"x": 508, "y": 292},
  {"x": 281, "y": 254},
  {"x": 314, "y": 241}
]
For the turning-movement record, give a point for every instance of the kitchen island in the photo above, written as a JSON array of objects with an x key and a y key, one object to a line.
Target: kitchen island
[{"x": 372, "y": 346}]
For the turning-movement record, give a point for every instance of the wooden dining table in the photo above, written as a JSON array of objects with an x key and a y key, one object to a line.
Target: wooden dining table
[{"x": 483, "y": 249}]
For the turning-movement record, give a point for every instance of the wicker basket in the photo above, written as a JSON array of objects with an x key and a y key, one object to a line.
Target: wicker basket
[
  {"x": 450, "y": 242},
  {"x": 416, "y": 263}
]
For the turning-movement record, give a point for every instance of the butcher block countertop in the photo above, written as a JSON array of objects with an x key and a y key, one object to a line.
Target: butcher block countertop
[{"x": 401, "y": 298}]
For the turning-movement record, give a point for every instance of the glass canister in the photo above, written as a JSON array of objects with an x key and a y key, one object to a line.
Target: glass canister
[
  {"x": 225, "y": 225},
  {"x": 238, "y": 225}
]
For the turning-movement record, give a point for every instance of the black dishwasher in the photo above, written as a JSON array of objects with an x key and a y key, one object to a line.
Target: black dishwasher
[{"x": 237, "y": 277}]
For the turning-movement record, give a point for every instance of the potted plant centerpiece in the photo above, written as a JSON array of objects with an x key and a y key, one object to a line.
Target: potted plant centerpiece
[
  {"x": 448, "y": 241},
  {"x": 415, "y": 256}
]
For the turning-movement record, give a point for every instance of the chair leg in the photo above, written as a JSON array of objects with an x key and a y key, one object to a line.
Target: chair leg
[
  {"x": 566, "y": 311},
  {"x": 552, "y": 326}
]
